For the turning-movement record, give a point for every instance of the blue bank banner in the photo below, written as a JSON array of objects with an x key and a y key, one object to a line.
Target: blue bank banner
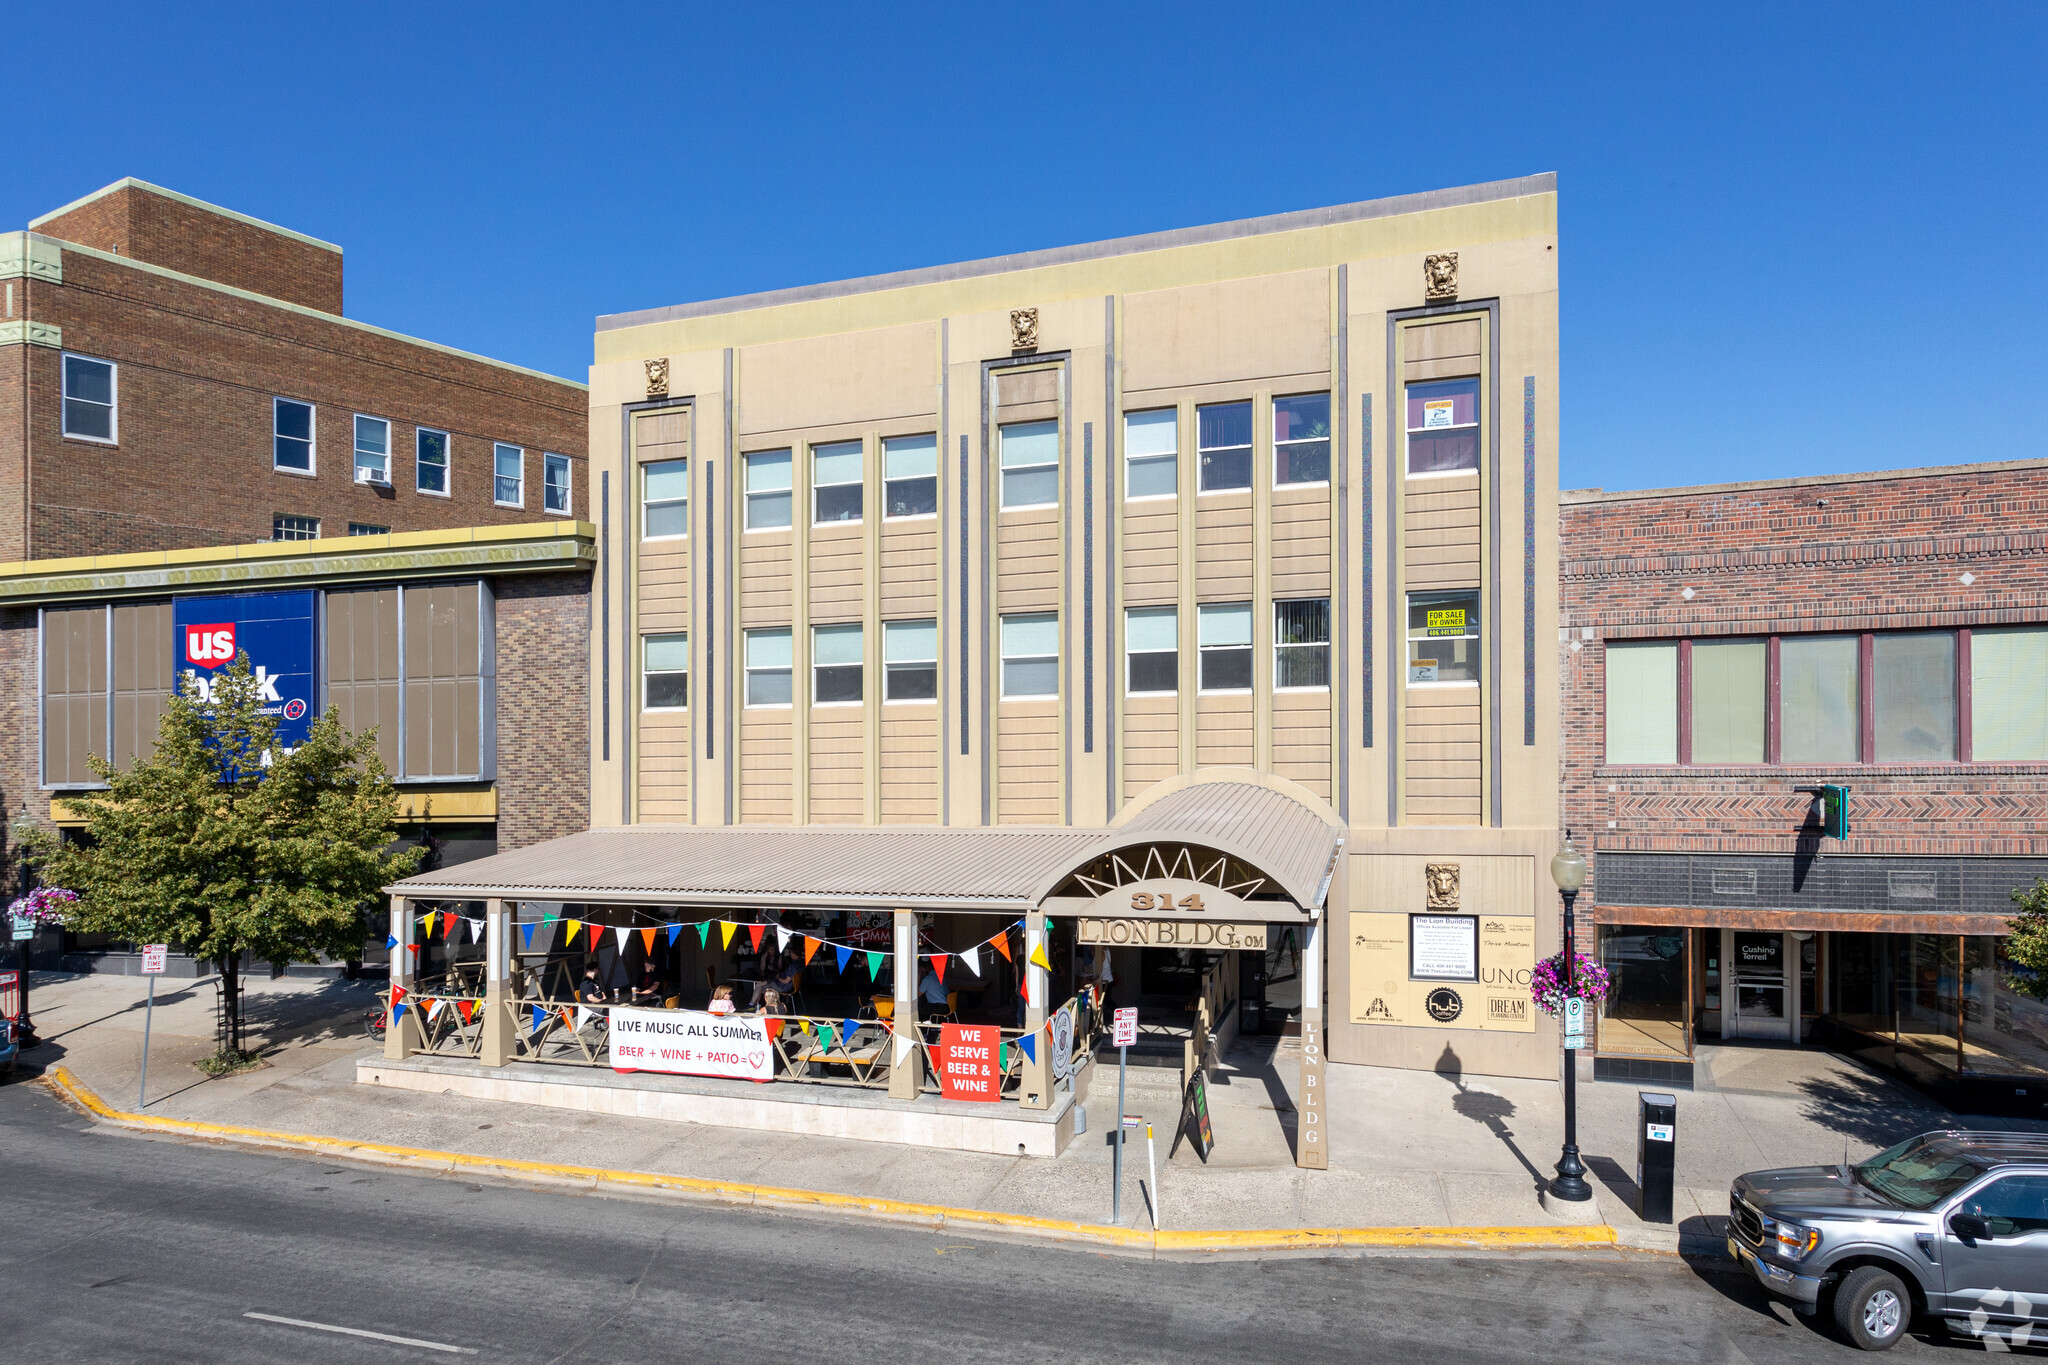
[{"x": 276, "y": 630}]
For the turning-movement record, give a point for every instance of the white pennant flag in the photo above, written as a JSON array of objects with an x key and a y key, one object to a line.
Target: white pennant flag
[
  {"x": 476, "y": 931},
  {"x": 434, "y": 1010},
  {"x": 972, "y": 957},
  {"x": 624, "y": 934},
  {"x": 581, "y": 1015},
  {"x": 781, "y": 938}
]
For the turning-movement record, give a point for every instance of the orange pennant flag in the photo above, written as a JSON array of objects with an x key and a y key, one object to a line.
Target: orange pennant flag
[
  {"x": 810, "y": 947},
  {"x": 647, "y": 937},
  {"x": 1002, "y": 945},
  {"x": 757, "y": 930}
]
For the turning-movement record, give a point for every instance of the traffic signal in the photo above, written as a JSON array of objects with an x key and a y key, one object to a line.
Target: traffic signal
[{"x": 1834, "y": 812}]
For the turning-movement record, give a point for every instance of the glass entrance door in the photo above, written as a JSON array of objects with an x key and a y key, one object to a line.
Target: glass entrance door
[{"x": 1761, "y": 1009}]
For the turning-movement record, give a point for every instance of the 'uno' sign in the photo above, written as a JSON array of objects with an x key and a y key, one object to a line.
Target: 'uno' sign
[{"x": 276, "y": 631}]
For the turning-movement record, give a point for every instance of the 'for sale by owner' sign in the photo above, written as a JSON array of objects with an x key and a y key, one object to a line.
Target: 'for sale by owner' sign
[{"x": 967, "y": 1062}]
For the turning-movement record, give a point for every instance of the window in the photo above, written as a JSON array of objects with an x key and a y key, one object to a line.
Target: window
[
  {"x": 2009, "y": 694},
  {"x": 1151, "y": 454},
  {"x": 1151, "y": 651},
  {"x": 1301, "y": 439},
  {"x": 430, "y": 451},
  {"x": 1223, "y": 437},
  {"x": 291, "y": 435},
  {"x": 665, "y": 499},
  {"x": 1642, "y": 703},
  {"x": 836, "y": 476},
  {"x": 836, "y": 665},
  {"x": 1443, "y": 637},
  {"x": 768, "y": 668},
  {"x": 1031, "y": 464},
  {"x": 1913, "y": 687},
  {"x": 1728, "y": 701},
  {"x": 1301, "y": 643},
  {"x": 90, "y": 389},
  {"x": 1225, "y": 637},
  {"x": 508, "y": 476},
  {"x": 1031, "y": 655},
  {"x": 1443, "y": 427},
  {"x": 284, "y": 527},
  {"x": 910, "y": 476},
  {"x": 364, "y": 528},
  {"x": 2013, "y": 1206},
  {"x": 373, "y": 450},
  {"x": 665, "y": 672},
  {"x": 910, "y": 661},
  {"x": 555, "y": 492},
  {"x": 768, "y": 490},
  {"x": 1819, "y": 699}
]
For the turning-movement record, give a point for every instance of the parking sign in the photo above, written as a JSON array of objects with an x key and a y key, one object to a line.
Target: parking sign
[
  {"x": 1126, "y": 1024},
  {"x": 1574, "y": 1016},
  {"x": 153, "y": 955}
]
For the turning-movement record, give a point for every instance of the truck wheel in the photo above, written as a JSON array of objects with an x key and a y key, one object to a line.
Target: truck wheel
[{"x": 1873, "y": 1308}]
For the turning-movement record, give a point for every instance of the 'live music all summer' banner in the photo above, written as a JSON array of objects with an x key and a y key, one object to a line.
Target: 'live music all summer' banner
[{"x": 692, "y": 1043}]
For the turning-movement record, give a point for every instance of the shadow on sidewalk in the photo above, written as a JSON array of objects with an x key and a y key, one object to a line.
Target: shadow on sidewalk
[{"x": 1486, "y": 1108}]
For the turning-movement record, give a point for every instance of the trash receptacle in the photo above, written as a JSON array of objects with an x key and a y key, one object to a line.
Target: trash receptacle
[{"x": 1656, "y": 1154}]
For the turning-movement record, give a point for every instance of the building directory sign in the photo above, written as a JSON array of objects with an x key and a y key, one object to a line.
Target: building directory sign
[
  {"x": 277, "y": 630},
  {"x": 1444, "y": 947},
  {"x": 1387, "y": 988}
]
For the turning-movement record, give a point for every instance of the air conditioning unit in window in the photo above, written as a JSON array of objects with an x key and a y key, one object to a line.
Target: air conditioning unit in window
[{"x": 368, "y": 474}]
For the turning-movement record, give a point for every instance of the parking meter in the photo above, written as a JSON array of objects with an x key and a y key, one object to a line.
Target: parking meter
[{"x": 1656, "y": 1154}]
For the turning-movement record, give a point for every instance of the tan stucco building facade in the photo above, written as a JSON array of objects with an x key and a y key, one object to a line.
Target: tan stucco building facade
[{"x": 1042, "y": 540}]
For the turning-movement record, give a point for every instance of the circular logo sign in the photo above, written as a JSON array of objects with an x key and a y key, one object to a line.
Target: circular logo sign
[
  {"x": 1443, "y": 1004},
  {"x": 294, "y": 708}
]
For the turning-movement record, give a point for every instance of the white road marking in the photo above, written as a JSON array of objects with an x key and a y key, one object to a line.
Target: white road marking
[{"x": 360, "y": 1332}]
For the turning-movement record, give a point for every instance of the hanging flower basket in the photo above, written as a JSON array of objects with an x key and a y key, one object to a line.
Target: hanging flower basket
[
  {"x": 46, "y": 905},
  {"x": 1546, "y": 983}
]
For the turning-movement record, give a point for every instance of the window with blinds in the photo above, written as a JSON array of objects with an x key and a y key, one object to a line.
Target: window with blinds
[
  {"x": 417, "y": 663},
  {"x": 1728, "y": 701},
  {"x": 1642, "y": 703},
  {"x": 2009, "y": 694}
]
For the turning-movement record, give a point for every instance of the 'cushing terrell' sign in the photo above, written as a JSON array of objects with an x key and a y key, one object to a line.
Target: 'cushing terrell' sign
[{"x": 276, "y": 631}]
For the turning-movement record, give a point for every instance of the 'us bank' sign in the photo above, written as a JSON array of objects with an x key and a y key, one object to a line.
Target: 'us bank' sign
[{"x": 275, "y": 629}]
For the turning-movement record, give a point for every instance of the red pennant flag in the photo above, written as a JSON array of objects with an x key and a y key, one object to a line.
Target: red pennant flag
[
  {"x": 447, "y": 923},
  {"x": 468, "y": 1008},
  {"x": 1002, "y": 945},
  {"x": 757, "y": 930},
  {"x": 596, "y": 936},
  {"x": 397, "y": 994},
  {"x": 774, "y": 1029},
  {"x": 810, "y": 947},
  {"x": 414, "y": 946},
  {"x": 939, "y": 965},
  {"x": 647, "y": 937}
]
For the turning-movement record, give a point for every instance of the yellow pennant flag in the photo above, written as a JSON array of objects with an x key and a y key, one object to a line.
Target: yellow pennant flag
[
  {"x": 1038, "y": 958},
  {"x": 725, "y": 928},
  {"x": 569, "y": 939}
]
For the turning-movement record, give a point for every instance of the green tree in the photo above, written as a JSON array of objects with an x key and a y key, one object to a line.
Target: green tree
[
  {"x": 226, "y": 844},
  {"x": 2028, "y": 943}
]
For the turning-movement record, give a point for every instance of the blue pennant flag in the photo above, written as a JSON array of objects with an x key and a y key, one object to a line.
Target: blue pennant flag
[
  {"x": 391, "y": 940},
  {"x": 539, "y": 1017},
  {"x": 673, "y": 930},
  {"x": 844, "y": 954},
  {"x": 526, "y": 932},
  {"x": 398, "y": 1011},
  {"x": 849, "y": 1027},
  {"x": 1029, "y": 1042}
]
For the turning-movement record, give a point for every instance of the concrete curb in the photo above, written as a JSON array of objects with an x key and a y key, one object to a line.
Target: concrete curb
[{"x": 594, "y": 1179}]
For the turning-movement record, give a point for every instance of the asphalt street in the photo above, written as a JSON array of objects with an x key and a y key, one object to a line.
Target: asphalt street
[{"x": 116, "y": 1248}]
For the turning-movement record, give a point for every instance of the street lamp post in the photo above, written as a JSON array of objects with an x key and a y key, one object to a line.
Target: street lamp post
[{"x": 1568, "y": 870}]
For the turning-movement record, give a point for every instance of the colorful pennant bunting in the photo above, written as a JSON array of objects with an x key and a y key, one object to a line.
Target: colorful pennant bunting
[
  {"x": 847, "y": 1028},
  {"x": 939, "y": 965},
  {"x": 755, "y": 931},
  {"x": 844, "y": 954},
  {"x": 673, "y": 930},
  {"x": 810, "y": 948},
  {"x": 781, "y": 939},
  {"x": 476, "y": 931},
  {"x": 1029, "y": 1042},
  {"x": 647, "y": 941},
  {"x": 874, "y": 965},
  {"x": 624, "y": 935},
  {"x": 1002, "y": 943},
  {"x": 972, "y": 957},
  {"x": 703, "y": 933},
  {"x": 575, "y": 928},
  {"x": 725, "y": 932},
  {"x": 391, "y": 940},
  {"x": 526, "y": 933}
]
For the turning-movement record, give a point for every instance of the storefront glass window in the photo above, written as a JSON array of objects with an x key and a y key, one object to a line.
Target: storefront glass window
[
  {"x": 1929, "y": 986},
  {"x": 1645, "y": 1014},
  {"x": 2005, "y": 1013}
]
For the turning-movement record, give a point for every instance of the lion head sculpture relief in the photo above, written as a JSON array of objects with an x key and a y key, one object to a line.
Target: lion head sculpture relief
[{"x": 1440, "y": 276}]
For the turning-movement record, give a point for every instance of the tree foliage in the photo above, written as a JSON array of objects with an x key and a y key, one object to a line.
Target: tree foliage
[
  {"x": 2028, "y": 942},
  {"x": 223, "y": 842}
]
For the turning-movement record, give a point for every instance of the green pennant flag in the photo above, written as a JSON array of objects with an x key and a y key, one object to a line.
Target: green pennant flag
[
  {"x": 874, "y": 966},
  {"x": 1002, "y": 1059},
  {"x": 825, "y": 1037},
  {"x": 703, "y": 933}
]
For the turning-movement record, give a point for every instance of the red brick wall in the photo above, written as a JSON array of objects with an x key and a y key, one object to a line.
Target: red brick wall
[
  {"x": 198, "y": 371},
  {"x": 1865, "y": 553},
  {"x": 178, "y": 236}
]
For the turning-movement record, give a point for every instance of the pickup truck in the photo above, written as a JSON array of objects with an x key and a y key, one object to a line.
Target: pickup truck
[{"x": 1946, "y": 1228}]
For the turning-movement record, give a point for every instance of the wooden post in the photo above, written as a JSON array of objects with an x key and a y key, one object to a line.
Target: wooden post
[
  {"x": 402, "y": 1035},
  {"x": 1311, "y": 1136},
  {"x": 1036, "y": 1091},
  {"x": 906, "y": 1060},
  {"x": 497, "y": 1029}
]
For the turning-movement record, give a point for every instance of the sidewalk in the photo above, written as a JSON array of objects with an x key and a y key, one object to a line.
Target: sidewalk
[{"x": 1408, "y": 1149}]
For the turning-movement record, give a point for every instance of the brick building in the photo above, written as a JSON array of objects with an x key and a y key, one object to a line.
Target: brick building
[
  {"x": 177, "y": 375},
  {"x": 1728, "y": 648}
]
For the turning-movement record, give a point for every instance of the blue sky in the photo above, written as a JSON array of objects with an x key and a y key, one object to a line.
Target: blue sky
[{"x": 1799, "y": 239}]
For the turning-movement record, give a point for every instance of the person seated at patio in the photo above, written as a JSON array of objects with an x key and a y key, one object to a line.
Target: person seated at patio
[
  {"x": 766, "y": 969},
  {"x": 931, "y": 990},
  {"x": 590, "y": 990},
  {"x": 721, "y": 1000},
  {"x": 788, "y": 976},
  {"x": 648, "y": 987}
]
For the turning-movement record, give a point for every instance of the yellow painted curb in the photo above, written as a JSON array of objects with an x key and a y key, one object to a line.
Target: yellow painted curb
[{"x": 77, "y": 1092}]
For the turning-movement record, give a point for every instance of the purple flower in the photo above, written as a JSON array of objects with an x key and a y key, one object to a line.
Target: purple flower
[
  {"x": 44, "y": 905},
  {"x": 1546, "y": 982}
]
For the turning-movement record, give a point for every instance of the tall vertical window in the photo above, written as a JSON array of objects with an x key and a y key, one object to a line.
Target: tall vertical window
[
  {"x": 1443, "y": 637},
  {"x": 836, "y": 476},
  {"x": 1031, "y": 655},
  {"x": 1031, "y": 464},
  {"x": 91, "y": 394},
  {"x": 836, "y": 665},
  {"x": 664, "y": 499},
  {"x": 556, "y": 495},
  {"x": 768, "y": 490},
  {"x": 1443, "y": 427},
  {"x": 2009, "y": 694},
  {"x": 508, "y": 475},
  {"x": 1301, "y": 644},
  {"x": 1224, "y": 634},
  {"x": 1819, "y": 699},
  {"x": 768, "y": 668},
  {"x": 1728, "y": 701},
  {"x": 430, "y": 458},
  {"x": 291, "y": 435},
  {"x": 910, "y": 476},
  {"x": 373, "y": 450},
  {"x": 1301, "y": 439},
  {"x": 1642, "y": 703},
  {"x": 1151, "y": 651},
  {"x": 1151, "y": 454},
  {"x": 665, "y": 672},
  {"x": 910, "y": 661},
  {"x": 1223, "y": 440},
  {"x": 1913, "y": 696},
  {"x": 286, "y": 527}
]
